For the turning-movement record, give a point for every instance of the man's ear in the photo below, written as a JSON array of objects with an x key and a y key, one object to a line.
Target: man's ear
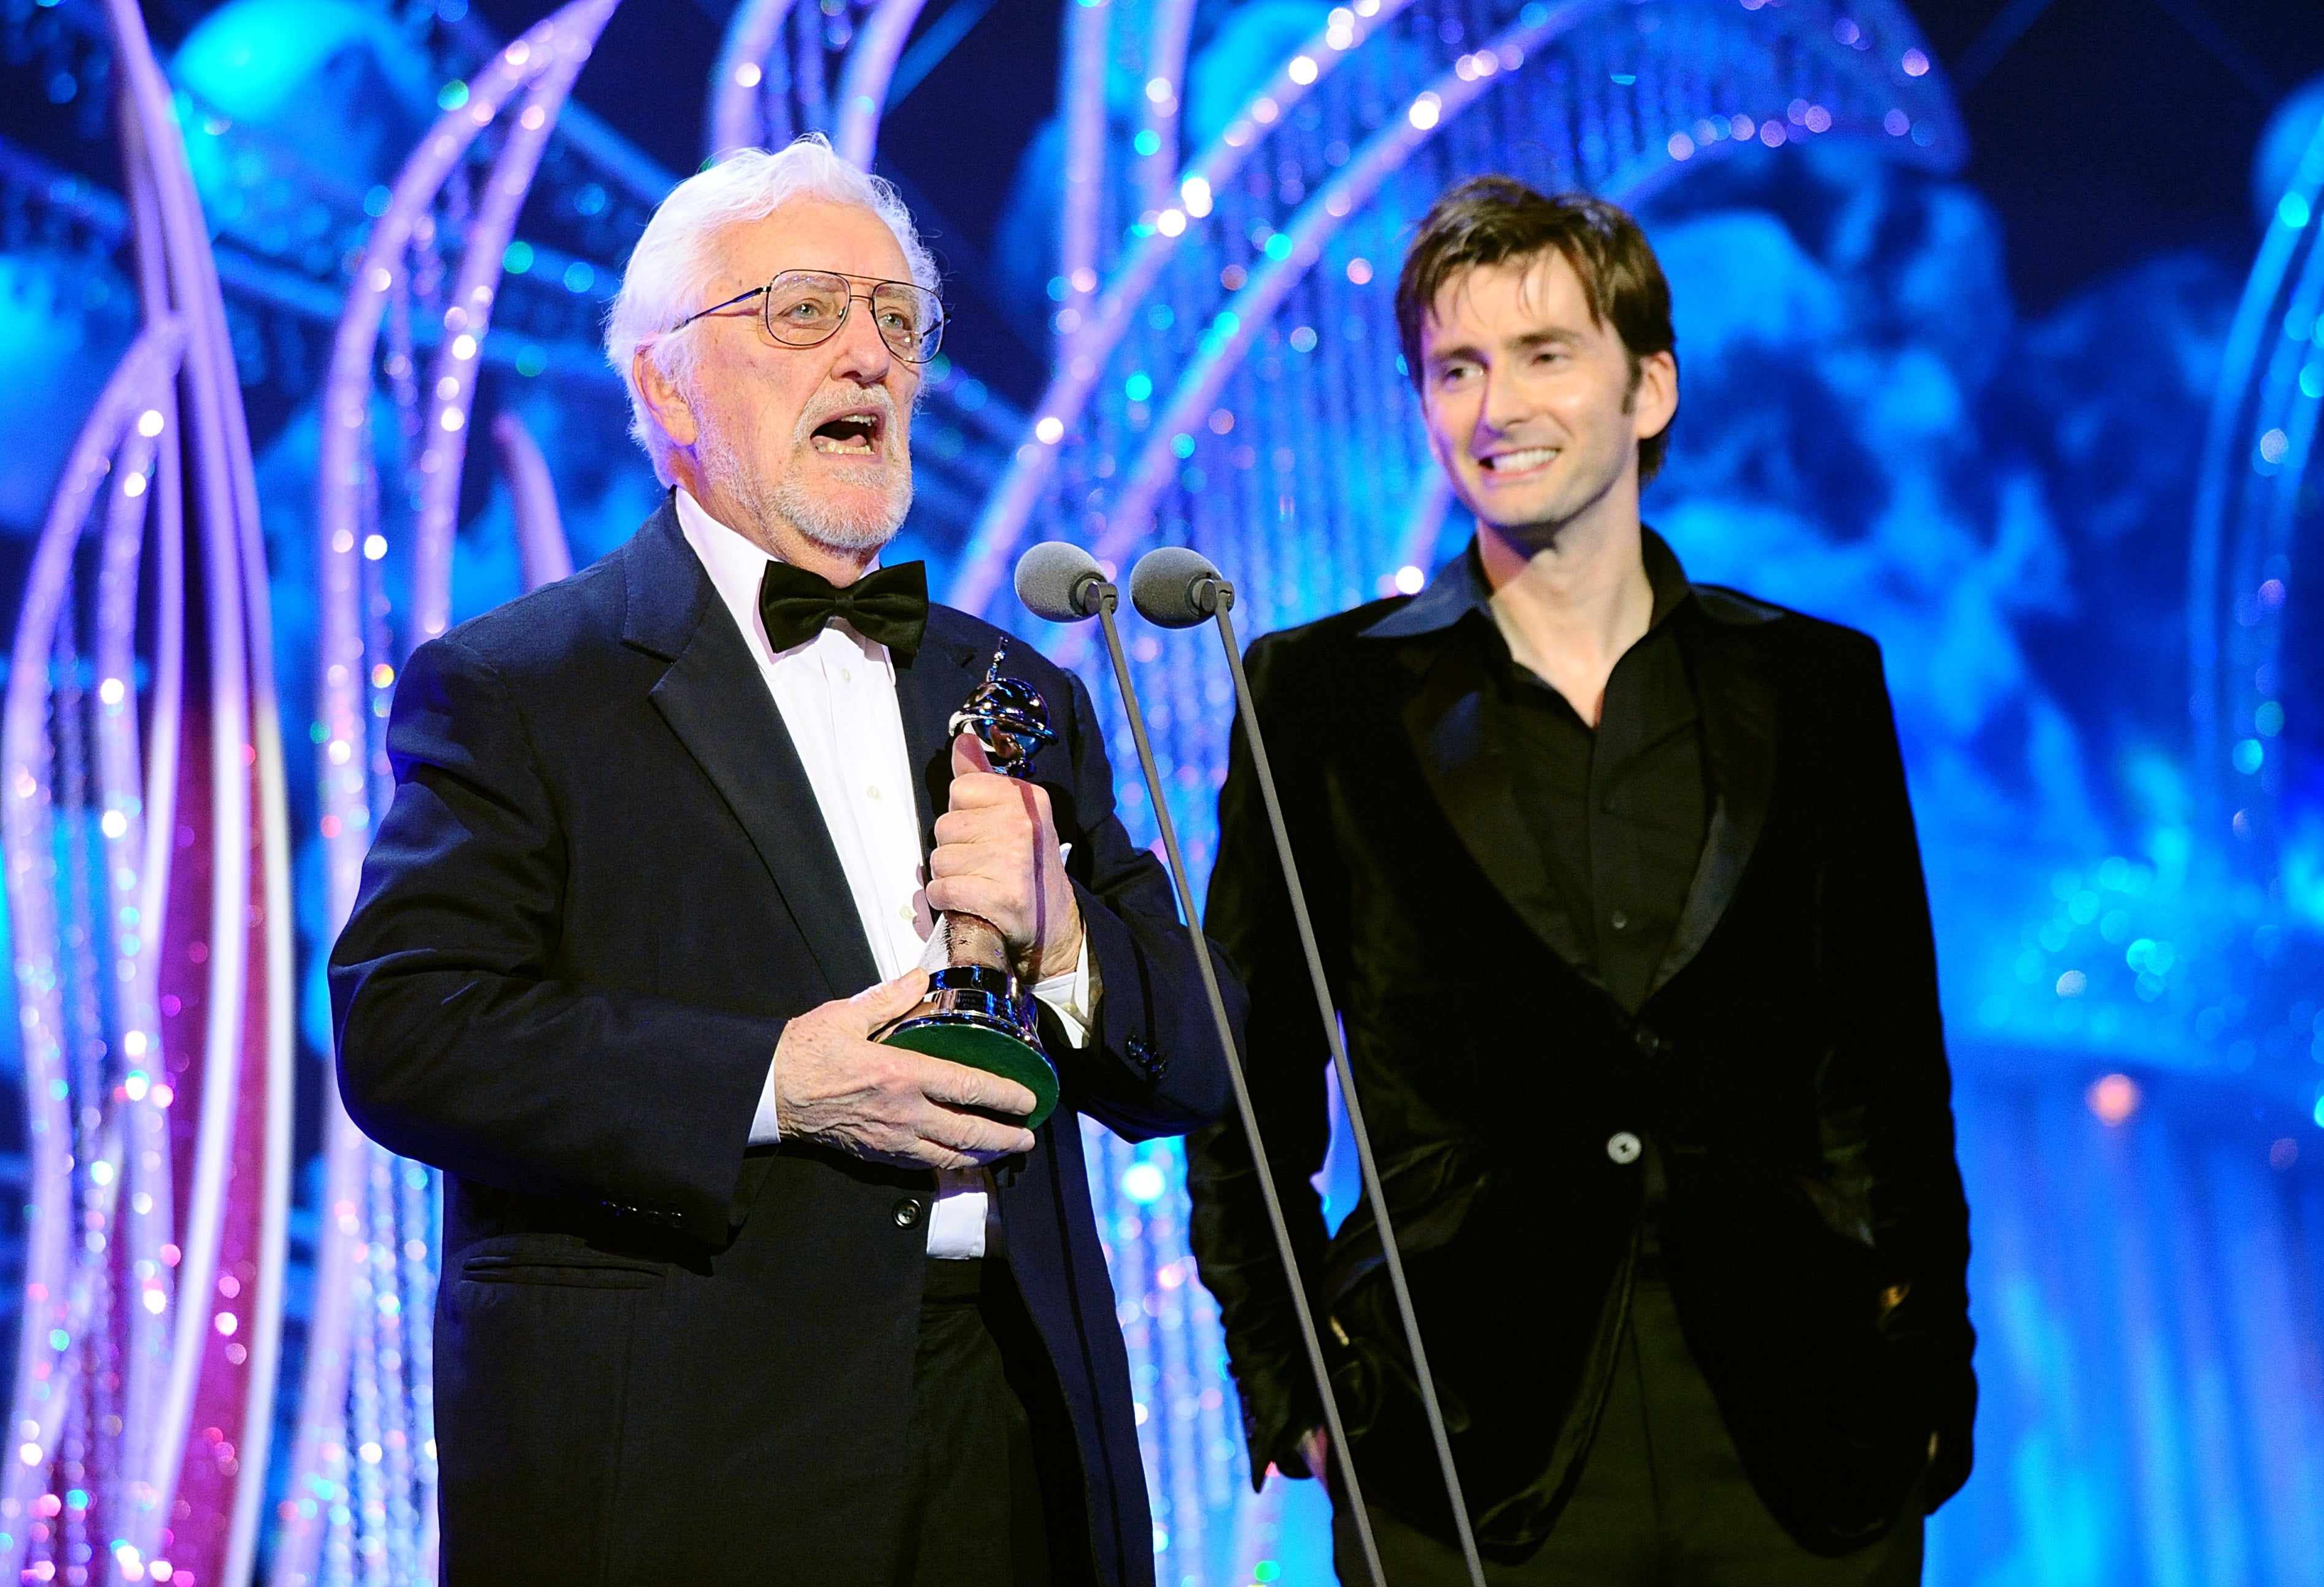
[
  {"x": 664, "y": 397},
  {"x": 1654, "y": 396}
]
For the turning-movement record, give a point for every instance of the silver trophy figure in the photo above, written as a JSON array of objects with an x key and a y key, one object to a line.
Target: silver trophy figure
[{"x": 975, "y": 1012}]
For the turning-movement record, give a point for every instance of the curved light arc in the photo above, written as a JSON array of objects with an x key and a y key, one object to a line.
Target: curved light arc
[
  {"x": 1427, "y": 114},
  {"x": 1081, "y": 104},
  {"x": 1167, "y": 33},
  {"x": 544, "y": 555},
  {"x": 321, "y": 1456},
  {"x": 145, "y": 1433},
  {"x": 452, "y": 383},
  {"x": 737, "y": 81},
  {"x": 984, "y": 563},
  {"x": 871, "y": 60},
  {"x": 248, "y": 822},
  {"x": 2255, "y": 394},
  {"x": 42, "y": 1371}
]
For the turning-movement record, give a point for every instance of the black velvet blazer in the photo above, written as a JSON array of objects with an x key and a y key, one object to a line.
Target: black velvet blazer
[
  {"x": 603, "y": 886},
  {"x": 1788, "y": 1067}
]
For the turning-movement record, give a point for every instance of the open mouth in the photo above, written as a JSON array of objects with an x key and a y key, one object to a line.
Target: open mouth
[
  {"x": 849, "y": 435},
  {"x": 1518, "y": 462}
]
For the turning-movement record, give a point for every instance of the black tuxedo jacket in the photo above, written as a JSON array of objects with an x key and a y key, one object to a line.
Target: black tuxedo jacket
[
  {"x": 603, "y": 886},
  {"x": 1787, "y": 1071}
]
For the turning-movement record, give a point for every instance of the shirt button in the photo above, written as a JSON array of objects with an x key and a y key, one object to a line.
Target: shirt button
[
  {"x": 846, "y": 676},
  {"x": 904, "y": 912},
  {"x": 871, "y": 793},
  {"x": 1622, "y": 1146},
  {"x": 1621, "y": 920},
  {"x": 907, "y": 1211}
]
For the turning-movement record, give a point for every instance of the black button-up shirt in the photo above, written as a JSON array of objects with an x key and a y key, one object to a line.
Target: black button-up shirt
[{"x": 1620, "y": 812}]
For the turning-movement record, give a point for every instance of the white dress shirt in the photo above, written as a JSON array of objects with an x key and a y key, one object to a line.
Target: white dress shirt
[{"x": 837, "y": 696}]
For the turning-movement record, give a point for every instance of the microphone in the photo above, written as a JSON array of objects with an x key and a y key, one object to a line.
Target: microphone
[
  {"x": 1178, "y": 587},
  {"x": 1175, "y": 587},
  {"x": 1062, "y": 583},
  {"x": 1058, "y": 582}
]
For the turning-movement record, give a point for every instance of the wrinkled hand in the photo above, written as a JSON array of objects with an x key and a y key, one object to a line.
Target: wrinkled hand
[
  {"x": 996, "y": 858},
  {"x": 835, "y": 1086}
]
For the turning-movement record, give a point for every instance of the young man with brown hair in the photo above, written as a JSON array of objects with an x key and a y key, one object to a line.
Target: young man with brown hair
[{"x": 1618, "y": 893}]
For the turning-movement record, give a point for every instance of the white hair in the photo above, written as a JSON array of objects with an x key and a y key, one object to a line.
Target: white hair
[{"x": 672, "y": 270}]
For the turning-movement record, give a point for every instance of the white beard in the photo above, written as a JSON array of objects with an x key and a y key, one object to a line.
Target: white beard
[
  {"x": 789, "y": 501},
  {"x": 823, "y": 521}
]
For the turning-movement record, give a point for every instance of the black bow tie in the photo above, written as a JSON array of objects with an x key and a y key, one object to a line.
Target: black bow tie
[{"x": 889, "y": 607}]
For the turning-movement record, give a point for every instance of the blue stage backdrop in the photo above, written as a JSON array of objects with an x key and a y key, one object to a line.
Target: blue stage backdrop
[{"x": 2081, "y": 537}]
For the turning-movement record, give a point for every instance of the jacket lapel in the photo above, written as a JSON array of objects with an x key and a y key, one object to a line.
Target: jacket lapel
[
  {"x": 716, "y": 702},
  {"x": 1738, "y": 742},
  {"x": 929, "y": 688},
  {"x": 1470, "y": 776}
]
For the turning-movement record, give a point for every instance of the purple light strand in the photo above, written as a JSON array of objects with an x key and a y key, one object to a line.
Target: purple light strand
[
  {"x": 134, "y": 854},
  {"x": 2246, "y": 509},
  {"x": 452, "y": 384},
  {"x": 738, "y": 82},
  {"x": 863, "y": 83},
  {"x": 113, "y": 1345},
  {"x": 44, "y": 1369},
  {"x": 1082, "y": 96},
  {"x": 992, "y": 547},
  {"x": 329, "y": 1526},
  {"x": 243, "y": 724},
  {"x": 543, "y": 553},
  {"x": 1167, "y": 34}
]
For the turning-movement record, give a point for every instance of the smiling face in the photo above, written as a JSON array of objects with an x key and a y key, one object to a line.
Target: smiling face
[
  {"x": 1531, "y": 406},
  {"x": 805, "y": 450}
]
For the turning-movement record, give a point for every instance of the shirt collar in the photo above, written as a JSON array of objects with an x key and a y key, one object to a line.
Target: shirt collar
[
  {"x": 737, "y": 566},
  {"x": 1459, "y": 588}
]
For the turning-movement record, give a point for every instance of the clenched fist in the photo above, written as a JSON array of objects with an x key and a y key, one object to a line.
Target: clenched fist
[
  {"x": 836, "y": 1086},
  {"x": 997, "y": 858}
]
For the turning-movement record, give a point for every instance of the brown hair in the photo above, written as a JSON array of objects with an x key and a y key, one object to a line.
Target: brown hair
[{"x": 1496, "y": 220}]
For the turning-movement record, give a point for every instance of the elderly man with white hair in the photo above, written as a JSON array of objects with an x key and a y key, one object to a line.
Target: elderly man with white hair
[{"x": 732, "y": 1291}]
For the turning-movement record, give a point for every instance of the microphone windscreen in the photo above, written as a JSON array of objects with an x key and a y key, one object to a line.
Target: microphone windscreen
[
  {"x": 1175, "y": 587},
  {"x": 1054, "y": 578}
]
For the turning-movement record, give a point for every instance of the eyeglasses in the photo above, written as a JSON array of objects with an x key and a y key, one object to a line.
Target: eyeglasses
[{"x": 807, "y": 309}]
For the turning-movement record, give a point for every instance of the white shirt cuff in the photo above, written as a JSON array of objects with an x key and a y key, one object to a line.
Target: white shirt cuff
[
  {"x": 766, "y": 1129},
  {"x": 1068, "y": 996}
]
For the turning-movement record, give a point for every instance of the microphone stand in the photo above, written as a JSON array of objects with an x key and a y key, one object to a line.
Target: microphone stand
[
  {"x": 1106, "y": 598},
  {"x": 1363, "y": 1137}
]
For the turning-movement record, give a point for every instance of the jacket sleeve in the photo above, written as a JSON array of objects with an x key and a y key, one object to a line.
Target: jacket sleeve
[
  {"x": 1890, "y": 1070},
  {"x": 1153, "y": 1065},
  {"x": 1286, "y": 1058},
  {"x": 459, "y": 1045}
]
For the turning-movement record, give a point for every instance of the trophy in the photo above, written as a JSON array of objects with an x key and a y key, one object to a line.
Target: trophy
[{"x": 975, "y": 1012}]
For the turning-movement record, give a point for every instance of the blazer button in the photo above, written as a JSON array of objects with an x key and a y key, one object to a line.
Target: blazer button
[
  {"x": 908, "y": 1213},
  {"x": 1622, "y": 1146},
  {"x": 1149, "y": 1059},
  {"x": 1647, "y": 1041}
]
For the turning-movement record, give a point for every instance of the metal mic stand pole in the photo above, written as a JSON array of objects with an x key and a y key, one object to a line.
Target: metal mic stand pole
[
  {"x": 1347, "y": 1090},
  {"x": 1107, "y": 598}
]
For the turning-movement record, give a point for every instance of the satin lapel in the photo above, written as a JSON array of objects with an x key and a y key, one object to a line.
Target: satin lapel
[
  {"x": 936, "y": 682},
  {"x": 1738, "y": 742},
  {"x": 716, "y": 702},
  {"x": 1469, "y": 776}
]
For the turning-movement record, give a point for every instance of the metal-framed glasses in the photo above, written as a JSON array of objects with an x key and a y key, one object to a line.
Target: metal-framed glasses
[{"x": 807, "y": 307}]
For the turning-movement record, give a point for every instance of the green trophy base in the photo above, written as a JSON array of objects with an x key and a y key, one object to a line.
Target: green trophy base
[
  {"x": 990, "y": 1051},
  {"x": 975, "y": 1016}
]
